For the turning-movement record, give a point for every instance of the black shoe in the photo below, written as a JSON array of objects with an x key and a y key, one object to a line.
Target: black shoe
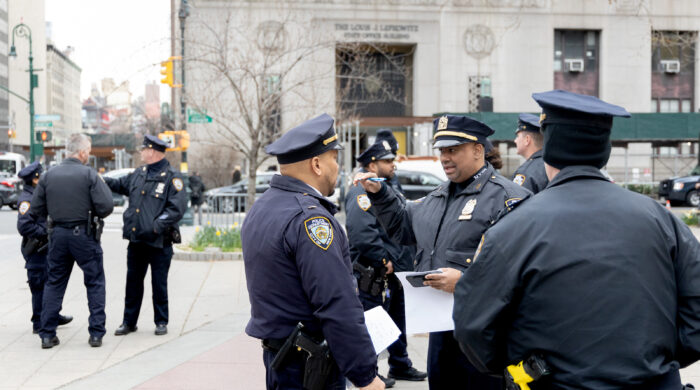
[
  {"x": 388, "y": 382},
  {"x": 125, "y": 329},
  {"x": 62, "y": 320},
  {"x": 161, "y": 329},
  {"x": 49, "y": 342},
  {"x": 95, "y": 341},
  {"x": 410, "y": 374}
]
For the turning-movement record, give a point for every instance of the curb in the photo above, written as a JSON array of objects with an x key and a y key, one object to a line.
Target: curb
[{"x": 206, "y": 256}]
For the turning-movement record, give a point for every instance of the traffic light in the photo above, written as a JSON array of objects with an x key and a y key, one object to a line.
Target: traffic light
[
  {"x": 43, "y": 136},
  {"x": 11, "y": 133},
  {"x": 168, "y": 70}
]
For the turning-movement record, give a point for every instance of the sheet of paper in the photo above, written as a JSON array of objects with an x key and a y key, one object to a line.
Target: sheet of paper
[
  {"x": 382, "y": 329},
  {"x": 427, "y": 309}
]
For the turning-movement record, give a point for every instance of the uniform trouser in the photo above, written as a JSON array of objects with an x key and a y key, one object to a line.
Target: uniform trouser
[
  {"x": 36, "y": 278},
  {"x": 395, "y": 306},
  {"x": 138, "y": 257},
  {"x": 291, "y": 375},
  {"x": 68, "y": 246},
  {"x": 449, "y": 368}
]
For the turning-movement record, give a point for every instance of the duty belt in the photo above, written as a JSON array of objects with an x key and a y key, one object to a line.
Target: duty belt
[{"x": 69, "y": 225}]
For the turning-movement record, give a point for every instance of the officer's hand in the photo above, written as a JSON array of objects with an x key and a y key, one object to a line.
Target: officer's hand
[
  {"x": 445, "y": 281},
  {"x": 369, "y": 185},
  {"x": 697, "y": 185},
  {"x": 376, "y": 384},
  {"x": 389, "y": 268}
]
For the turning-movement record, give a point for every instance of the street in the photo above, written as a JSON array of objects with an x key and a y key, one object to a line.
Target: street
[{"x": 205, "y": 348}]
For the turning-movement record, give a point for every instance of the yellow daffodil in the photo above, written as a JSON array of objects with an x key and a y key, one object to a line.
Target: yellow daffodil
[{"x": 218, "y": 233}]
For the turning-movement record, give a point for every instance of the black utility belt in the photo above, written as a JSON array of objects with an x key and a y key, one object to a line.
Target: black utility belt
[{"x": 70, "y": 225}]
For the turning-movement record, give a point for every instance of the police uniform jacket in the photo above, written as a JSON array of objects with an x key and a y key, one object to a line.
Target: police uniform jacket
[
  {"x": 603, "y": 282},
  {"x": 30, "y": 226},
  {"x": 156, "y": 203},
  {"x": 68, "y": 191},
  {"x": 370, "y": 244},
  {"x": 298, "y": 270},
  {"x": 531, "y": 174},
  {"x": 447, "y": 231}
]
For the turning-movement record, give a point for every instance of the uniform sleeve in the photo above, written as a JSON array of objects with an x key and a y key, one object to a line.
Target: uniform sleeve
[
  {"x": 482, "y": 307},
  {"x": 687, "y": 261},
  {"x": 38, "y": 202},
  {"x": 26, "y": 222},
  {"x": 101, "y": 195},
  {"x": 363, "y": 229},
  {"x": 531, "y": 184},
  {"x": 394, "y": 215},
  {"x": 121, "y": 185},
  {"x": 175, "y": 205},
  {"x": 328, "y": 282}
]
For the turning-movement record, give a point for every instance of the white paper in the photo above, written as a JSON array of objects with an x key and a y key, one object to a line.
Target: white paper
[
  {"x": 427, "y": 309},
  {"x": 382, "y": 329}
]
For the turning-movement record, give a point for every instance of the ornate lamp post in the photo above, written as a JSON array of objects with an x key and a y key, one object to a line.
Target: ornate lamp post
[{"x": 22, "y": 30}]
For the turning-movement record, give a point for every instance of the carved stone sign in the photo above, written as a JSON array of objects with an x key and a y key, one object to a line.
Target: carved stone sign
[
  {"x": 479, "y": 41},
  {"x": 272, "y": 36},
  {"x": 374, "y": 31}
]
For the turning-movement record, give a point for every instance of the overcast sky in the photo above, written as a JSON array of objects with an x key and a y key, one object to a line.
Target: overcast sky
[{"x": 122, "y": 39}]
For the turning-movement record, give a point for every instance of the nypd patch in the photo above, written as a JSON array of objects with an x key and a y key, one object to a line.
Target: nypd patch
[
  {"x": 519, "y": 179},
  {"x": 512, "y": 202},
  {"x": 319, "y": 231},
  {"x": 23, "y": 207},
  {"x": 177, "y": 183},
  {"x": 363, "y": 202}
]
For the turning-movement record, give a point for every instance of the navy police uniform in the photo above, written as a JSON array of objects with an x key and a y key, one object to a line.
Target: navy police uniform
[
  {"x": 597, "y": 280},
  {"x": 34, "y": 243},
  {"x": 446, "y": 226},
  {"x": 156, "y": 203},
  {"x": 388, "y": 136},
  {"x": 298, "y": 269},
  {"x": 531, "y": 173},
  {"x": 371, "y": 248},
  {"x": 67, "y": 193}
]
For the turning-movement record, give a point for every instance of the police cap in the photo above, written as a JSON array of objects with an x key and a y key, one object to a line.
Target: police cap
[
  {"x": 155, "y": 143},
  {"x": 311, "y": 138},
  {"x": 388, "y": 135},
  {"x": 30, "y": 171},
  {"x": 380, "y": 150},
  {"x": 451, "y": 130},
  {"x": 528, "y": 122},
  {"x": 576, "y": 128}
]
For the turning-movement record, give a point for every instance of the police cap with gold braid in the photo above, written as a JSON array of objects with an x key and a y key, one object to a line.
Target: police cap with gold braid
[
  {"x": 30, "y": 172},
  {"x": 451, "y": 130},
  {"x": 311, "y": 138},
  {"x": 528, "y": 122}
]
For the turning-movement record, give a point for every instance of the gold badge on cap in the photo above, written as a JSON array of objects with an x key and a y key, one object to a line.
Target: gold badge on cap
[
  {"x": 386, "y": 145},
  {"x": 468, "y": 210},
  {"x": 442, "y": 123},
  {"x": 543, "y": 116}
]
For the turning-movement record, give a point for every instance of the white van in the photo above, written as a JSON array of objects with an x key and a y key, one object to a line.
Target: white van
[{"x": 11, "y": 163}]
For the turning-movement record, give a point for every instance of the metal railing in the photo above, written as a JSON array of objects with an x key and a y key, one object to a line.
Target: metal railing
[{"x": 222, "y": 210}]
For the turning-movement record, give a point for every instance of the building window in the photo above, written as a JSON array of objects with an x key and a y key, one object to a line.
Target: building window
[
  {"x": 673, "y": 70},
  {"x": 576, "y": 59}
]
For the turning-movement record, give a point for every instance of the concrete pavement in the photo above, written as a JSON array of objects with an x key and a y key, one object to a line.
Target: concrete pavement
[{"x": 205, "y": 348}]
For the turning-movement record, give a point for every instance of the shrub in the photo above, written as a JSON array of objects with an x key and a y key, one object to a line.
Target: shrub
[
  {"x": 690, "y": 218},
  {"x": 228, "y": 239}
]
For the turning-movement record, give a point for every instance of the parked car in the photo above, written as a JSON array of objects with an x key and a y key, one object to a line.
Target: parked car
[
  {"x": 681, "y": 190},
  {"x": 10, "y": 187},
  {"x": 118, "y": 199},
  {"x": 417, "y": 184}
]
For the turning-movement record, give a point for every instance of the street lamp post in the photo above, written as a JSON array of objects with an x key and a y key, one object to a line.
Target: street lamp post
[{"x": 22, "y": 30}]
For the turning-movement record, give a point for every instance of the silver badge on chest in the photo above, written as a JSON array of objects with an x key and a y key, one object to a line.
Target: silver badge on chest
[
  {"x": 468, "y": 210},
  {"x": 160, "y": 188}
]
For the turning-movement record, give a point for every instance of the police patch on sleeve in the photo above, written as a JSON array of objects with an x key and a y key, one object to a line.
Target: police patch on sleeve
[
  {"x": 363, "y": 202},
  {"x": 512, "y": 202},
  {"x": 23, "y": 207},
  {"x": 319, "y": 231},
  {"x": 177, "y": 182},
  {"x": 519, "y": 179}
]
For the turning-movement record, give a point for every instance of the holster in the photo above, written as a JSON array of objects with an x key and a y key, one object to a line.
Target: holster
[
  {"x": 319, "y": 363},
  {"x": 32, "y": 245},
  {"x": 371, "y": 279}
]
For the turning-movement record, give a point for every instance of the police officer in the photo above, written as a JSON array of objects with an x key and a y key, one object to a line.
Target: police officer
[
  {"x": 447, "y": 225},
  {"x": 375, "y": 258},
  {"x": 73, "y": 194},
  {"x": 388, "y": 136},
  {"x": 597, "y": 281},
  {"x": 197, "y": 190},
  {"x": 35, "y": 243},
  {"x": 528, "y": 142},
  {"x": 298, "y": 267},
  {"x": 156, "y": 204}
]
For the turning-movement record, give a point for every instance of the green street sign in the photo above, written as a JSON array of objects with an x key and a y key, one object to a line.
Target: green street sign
[
  {"x": 194, "y": 116},
  {"x": 43, "y": 124}
]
